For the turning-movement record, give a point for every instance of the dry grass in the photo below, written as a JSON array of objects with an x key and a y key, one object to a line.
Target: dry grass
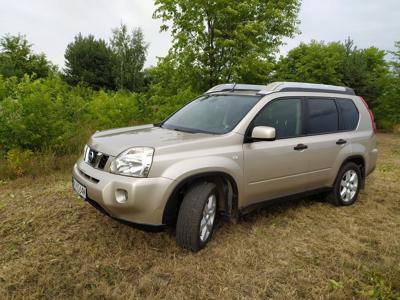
[{"x": 54, "y": 245}]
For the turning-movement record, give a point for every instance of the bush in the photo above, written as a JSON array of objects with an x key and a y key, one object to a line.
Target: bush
[
  {"x": 18, "y": 161},
  {"x": 49, "y": 115},
  {"x": 111, "y": 110},
  {"x": 387, "y": 111}
]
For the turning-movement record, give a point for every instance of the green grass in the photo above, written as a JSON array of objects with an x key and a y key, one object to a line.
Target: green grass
[{"x": 53, "y": 245}]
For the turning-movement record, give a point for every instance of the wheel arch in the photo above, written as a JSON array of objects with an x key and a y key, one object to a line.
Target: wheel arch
[
  {"x": 228, "y": 192},
  {"x": 359, "y": 160}
]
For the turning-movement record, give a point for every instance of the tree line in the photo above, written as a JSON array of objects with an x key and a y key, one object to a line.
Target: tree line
[{"x": 104, "y": 83}]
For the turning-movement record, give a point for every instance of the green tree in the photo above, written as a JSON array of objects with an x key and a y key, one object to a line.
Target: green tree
[
  {"x": 91, "y": 61},
  {"x": 395, "y": 64},
  {"x": 18, "y": 59},
  {"x": 315, "y": 62},
  {"x": 364, "y": 70},
  {"x": 130, "y": 52},
  {"x": 220, "y": 38},
  {"x": 387, "y": 110}
]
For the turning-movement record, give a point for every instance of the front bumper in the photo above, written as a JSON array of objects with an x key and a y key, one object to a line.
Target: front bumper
[{"x": 146, "y": 197}]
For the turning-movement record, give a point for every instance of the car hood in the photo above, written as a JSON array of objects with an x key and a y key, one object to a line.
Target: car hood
[{"x": 115, "y": 141}]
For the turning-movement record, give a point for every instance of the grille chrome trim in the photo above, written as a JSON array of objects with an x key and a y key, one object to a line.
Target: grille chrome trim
[
  {"x": 94, "y": 158},
  {"x": 94, "y": 180}
]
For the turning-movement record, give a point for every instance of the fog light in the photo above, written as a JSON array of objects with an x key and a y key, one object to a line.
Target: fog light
[{"x": 121, "y": 196}]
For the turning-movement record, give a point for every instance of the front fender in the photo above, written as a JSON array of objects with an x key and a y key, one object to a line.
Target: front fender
[
  {"x": 184, "y": 169},
  {"x": 194, "y": 166}
]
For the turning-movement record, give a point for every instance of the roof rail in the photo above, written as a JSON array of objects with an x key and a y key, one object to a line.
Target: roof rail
[
  {"x": 236, "y": 87},
  {"x": 305, "y": 87},
  {"x": 282, "y": 87}
]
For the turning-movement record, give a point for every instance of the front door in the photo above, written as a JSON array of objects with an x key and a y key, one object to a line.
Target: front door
[{"x": 276, "y": 168}]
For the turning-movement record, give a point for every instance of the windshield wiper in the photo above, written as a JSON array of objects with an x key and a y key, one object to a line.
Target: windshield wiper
[
  {"x": 181, "y": 130},
  {"x": 187, "y": 130}
]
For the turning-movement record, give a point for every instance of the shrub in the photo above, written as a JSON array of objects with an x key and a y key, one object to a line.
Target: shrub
[
  {"x": 49, "y": 115},
  {"x": 18, "y": 161},
  {"x": 113, "y": 109}
]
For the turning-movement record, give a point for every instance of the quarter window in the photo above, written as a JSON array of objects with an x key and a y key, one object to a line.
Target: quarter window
[
  {"x": 348, "y": 113},
  {"x": 322, "y": 116},
  {"x": 284, "y": 115}
]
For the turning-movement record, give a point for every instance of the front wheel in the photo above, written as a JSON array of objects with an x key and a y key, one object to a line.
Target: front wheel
[
  {"x": 347, "y": 185},
  {"x": 197, "y": 216}
]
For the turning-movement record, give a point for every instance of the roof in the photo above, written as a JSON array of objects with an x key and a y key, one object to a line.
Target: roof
[{"x": 282, "y": 87}]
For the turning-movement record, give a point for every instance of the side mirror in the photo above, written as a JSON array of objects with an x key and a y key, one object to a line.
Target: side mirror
[{"x": 263, "y": 133}]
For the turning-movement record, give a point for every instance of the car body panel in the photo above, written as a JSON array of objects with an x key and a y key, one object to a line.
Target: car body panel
[
  {"x": 115, "y": 141},
  {"x": 273, "y": 169},
  {"x": 146, "y": 198}
]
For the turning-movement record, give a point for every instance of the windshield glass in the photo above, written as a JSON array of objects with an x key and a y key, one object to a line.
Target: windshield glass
[{"x": 215, "y": 114}]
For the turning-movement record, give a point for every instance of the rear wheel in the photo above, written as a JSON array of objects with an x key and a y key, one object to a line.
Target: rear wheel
[
  {"x": 347, "y": 185},
  {"x": 197, "y": 216}
]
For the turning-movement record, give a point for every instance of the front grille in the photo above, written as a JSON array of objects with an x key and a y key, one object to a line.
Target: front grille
[
  {"x": 95, "y": 159},
  {"x": 102, "y": 162}
]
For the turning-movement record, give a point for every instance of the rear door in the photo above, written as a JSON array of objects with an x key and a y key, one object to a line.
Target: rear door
[{"x": 327, "y": 140}]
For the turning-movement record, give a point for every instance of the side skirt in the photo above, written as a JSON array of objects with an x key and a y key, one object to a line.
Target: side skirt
[{"x": 256, "y": 206}]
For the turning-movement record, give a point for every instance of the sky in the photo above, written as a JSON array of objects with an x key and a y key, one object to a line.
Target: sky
[{"x": 51, "y": 24}]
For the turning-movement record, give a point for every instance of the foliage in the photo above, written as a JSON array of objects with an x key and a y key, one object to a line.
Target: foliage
[
  {"x": 395, "y": 64},
  {"x": 214, "y": 42},
  {"x": 219, "y": 38},
  {"x": 18, "y": 161},
  {"x": 18, "y": 59},
  {"x": 91, "y": 61},
  {"x": 387, "y": 110},
  {"x": 130, "y": 55},
  {"x": 315, "y": 63},
  {"x": 169, "y": 89},
  {"x": 112, "y": 110},
  {"x": 50, "y": 115},
  {"x": 365, "y": 70}
]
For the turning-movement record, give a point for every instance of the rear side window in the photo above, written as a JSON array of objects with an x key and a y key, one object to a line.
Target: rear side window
[
  {"x": 322, "y": 116},
  {"x": 282, "y": 114},
  {"x": 348, "y": 114}
]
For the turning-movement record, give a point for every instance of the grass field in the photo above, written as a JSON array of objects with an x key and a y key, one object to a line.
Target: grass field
[{"x": 53, "y": 245}]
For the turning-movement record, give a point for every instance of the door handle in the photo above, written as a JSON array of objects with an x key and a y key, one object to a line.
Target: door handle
[
  {"x": 341, "y": 142},
  {"x": 300, "y": 147}
]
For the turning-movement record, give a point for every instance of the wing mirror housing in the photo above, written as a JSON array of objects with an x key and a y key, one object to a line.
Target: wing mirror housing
[{"x": 263, "y": 133}]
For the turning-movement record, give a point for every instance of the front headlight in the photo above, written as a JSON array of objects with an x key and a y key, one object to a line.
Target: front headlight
[{"x": 135, "y": 162}]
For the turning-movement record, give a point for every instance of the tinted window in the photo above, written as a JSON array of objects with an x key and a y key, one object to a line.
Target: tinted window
[
  {"x": 322, "y": 116},
  {"x": 284, "y": 115},
  {"x": 348, "y": 113},
  {"x": 211, "y": 114}
]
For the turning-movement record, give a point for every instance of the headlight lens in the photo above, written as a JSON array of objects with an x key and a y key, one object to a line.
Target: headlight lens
[{"x": 135, "y": 162}]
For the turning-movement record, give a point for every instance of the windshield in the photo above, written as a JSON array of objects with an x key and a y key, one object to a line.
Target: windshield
[{"x": 216, "y": 114}]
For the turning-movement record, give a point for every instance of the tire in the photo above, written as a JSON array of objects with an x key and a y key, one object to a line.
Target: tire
[
  {"x": 199, "y": 205},
  {"x": 347, "y": 185}
]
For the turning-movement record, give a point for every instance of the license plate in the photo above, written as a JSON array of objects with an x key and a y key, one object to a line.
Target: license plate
[{"x": 79, "y": 188}]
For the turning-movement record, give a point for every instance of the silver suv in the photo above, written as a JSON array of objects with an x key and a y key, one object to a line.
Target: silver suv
[{"x": 228, "y": 151}]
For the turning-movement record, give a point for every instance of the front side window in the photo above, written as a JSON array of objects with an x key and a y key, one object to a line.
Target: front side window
[
  {"x": 282, "y": 114},
  {"x": 216, "y": 114},
  {"x": 322, "y": 116}
]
